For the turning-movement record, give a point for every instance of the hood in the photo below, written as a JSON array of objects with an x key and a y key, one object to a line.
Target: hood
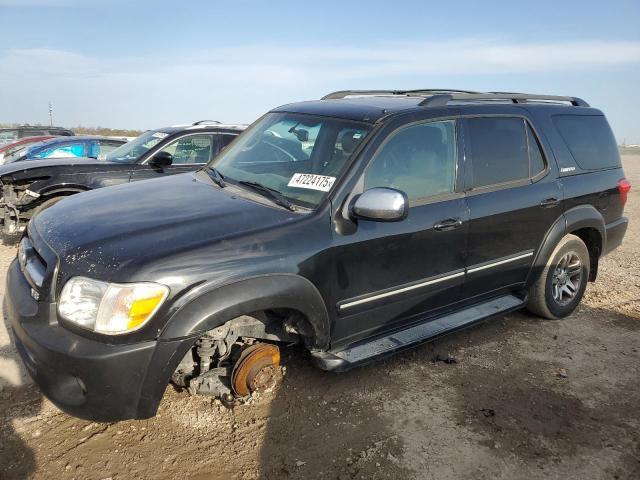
[
  {"x": 26, "y": 165},
  {"x": 125, "y": 227}
]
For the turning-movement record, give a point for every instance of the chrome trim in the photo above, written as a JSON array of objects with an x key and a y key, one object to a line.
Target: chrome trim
[
  {"x": 433, "y": 281},
  {"x": 399, "y": 290},
  {"x": 500, "y": 262}
]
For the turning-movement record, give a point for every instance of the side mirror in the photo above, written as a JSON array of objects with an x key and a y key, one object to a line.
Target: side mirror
[
  {"x": 381, "y": 204},
  {"x": 161, "y": 159}
]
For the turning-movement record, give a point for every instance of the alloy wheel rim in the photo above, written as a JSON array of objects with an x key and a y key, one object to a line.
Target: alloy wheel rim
[{"x": 567, "y": 278}]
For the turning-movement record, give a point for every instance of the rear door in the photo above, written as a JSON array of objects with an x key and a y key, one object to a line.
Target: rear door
[
  {"x": 190, "y": 152},
  {"x": 513, "y": 198}
]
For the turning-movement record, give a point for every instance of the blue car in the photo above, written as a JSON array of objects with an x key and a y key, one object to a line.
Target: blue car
[{"x": 66, "y": 147}]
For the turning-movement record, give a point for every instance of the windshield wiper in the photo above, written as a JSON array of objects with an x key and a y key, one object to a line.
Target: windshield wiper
[
  {"x": 272, "y": 193},
  {"x": 216, "y": 176}
]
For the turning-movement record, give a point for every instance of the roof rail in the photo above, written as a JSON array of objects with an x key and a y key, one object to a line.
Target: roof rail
[
  {"x": 202, "y": 122},
  {"x": 417, "y": 92},
  {"x": 441, "y": 100}
]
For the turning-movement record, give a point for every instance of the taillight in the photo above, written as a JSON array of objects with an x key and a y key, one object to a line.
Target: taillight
[{"x": 624, "y": 186}]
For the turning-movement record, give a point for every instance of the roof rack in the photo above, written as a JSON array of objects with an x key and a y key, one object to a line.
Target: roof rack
[
  {"x": 202, "y": 122},
  {"x": 440, "y": 97},
  {"x": 406, "y": 93},
  {"x": 440, "y": 100}
]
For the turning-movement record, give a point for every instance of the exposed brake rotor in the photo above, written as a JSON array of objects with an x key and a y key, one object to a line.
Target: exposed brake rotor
[{"x": 257, "y": 369}]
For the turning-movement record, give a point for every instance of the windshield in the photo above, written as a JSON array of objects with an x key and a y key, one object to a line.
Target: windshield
[
  {"x": 131, "y": 151},
  {"x": 300, "y": 156}
]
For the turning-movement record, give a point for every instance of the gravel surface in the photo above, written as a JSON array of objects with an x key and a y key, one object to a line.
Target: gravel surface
[{"x": 524, "y": 399}]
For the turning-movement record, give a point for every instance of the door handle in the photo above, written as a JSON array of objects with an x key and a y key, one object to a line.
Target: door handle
[
  {"x": 550, "y": 203},
  {"x": 448, "y": 224}
]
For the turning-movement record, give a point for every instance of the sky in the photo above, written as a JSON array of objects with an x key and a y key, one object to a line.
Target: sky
[{"x": 148, "y": 64}]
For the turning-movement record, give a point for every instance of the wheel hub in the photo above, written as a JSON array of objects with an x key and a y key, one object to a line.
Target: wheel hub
[
  {"x": 257, "y": 369},
  {"x": 567, "y": 278}
]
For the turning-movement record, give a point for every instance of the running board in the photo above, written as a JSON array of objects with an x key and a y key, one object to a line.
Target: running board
[{"x": 365, "y": 352}]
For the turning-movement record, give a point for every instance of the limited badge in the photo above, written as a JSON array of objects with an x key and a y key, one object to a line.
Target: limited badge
[{"x": 311, "y": 181}]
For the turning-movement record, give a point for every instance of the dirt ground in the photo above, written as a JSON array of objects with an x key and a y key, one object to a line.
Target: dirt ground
[{"x": 500, "y": 411}]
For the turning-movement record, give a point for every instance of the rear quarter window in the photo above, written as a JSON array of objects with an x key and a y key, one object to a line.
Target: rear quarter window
[{"x": 590, "y": 140}]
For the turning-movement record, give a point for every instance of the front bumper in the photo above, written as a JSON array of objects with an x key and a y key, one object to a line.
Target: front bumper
[{"x": 84, "y": 377}]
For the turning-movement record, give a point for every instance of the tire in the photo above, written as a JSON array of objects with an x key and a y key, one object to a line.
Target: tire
[
  {"x": 46, "y": 204},
  {"x": 552, "y": 295}
]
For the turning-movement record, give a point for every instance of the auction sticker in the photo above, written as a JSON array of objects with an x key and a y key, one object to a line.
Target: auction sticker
[{"x": 311, "y": 181}]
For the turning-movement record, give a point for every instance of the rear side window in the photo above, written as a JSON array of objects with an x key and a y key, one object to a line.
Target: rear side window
[
  {"x": 499, "y": 150},
  {"x": 71, "y": 150},
  {"x": 590, "y": 140}
]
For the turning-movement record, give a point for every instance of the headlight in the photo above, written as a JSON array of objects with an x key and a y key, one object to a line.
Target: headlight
[
  {"x": 22, "y": 252},
  {"x": 110, "y": 308}
]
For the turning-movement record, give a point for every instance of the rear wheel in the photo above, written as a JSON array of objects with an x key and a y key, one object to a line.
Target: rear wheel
[{"x": 563, "y": 281}]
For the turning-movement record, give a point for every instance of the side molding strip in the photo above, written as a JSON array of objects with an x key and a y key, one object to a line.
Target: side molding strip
[
  {"x": 433, "y": 281},
  {"x": 400, "y": 290},
  {"x": 500, "y": 262}
]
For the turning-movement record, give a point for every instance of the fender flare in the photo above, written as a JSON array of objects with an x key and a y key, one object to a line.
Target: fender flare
[
  {"x": 586, "y": 216},
  {"x": 582, "y": 216},
  {"x": 56, "y": 190},
  {"x": 219, "y": 305}
]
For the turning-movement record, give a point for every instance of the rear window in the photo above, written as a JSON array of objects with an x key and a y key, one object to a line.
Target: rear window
[{"x": 590, "y": 140}]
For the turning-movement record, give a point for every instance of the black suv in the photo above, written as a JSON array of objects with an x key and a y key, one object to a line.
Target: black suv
[
  {"x": 13, "y": 134},
  {"x": 30, "y": 187},
  {"x": 357, "y": 226}
]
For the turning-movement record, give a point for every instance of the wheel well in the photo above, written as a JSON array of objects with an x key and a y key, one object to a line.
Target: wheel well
[
  {"x": 60, "y": 193},
  {"x": 593, "y": 240}
]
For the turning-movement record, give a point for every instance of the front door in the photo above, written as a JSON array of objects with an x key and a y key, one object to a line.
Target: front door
[
  {"x": 513, "y": 201},
  {"x": 389, "y": 274},
  {"x": 189, "y": 152}
]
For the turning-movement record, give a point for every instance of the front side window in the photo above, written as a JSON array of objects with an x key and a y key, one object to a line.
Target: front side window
[
  {"x": 101, "y": 148},
  {"x": 499, "y": 152},
  {"x": 71, "y": 150},
  {"x": 300, "y": 156},
  {"x": 419, "y": 160},
  {"x": 191, "y": 149}
]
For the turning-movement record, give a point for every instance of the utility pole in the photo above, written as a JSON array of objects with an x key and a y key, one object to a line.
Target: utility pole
[{"x": 50, "y": 114}]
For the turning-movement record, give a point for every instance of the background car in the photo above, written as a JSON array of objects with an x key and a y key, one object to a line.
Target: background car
[
  {"x": 33, "y": 186},
  {"x": 11, "y": 148},
  {"x": 67, "y": 147},
  {"x": 11, "y": 134}
]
